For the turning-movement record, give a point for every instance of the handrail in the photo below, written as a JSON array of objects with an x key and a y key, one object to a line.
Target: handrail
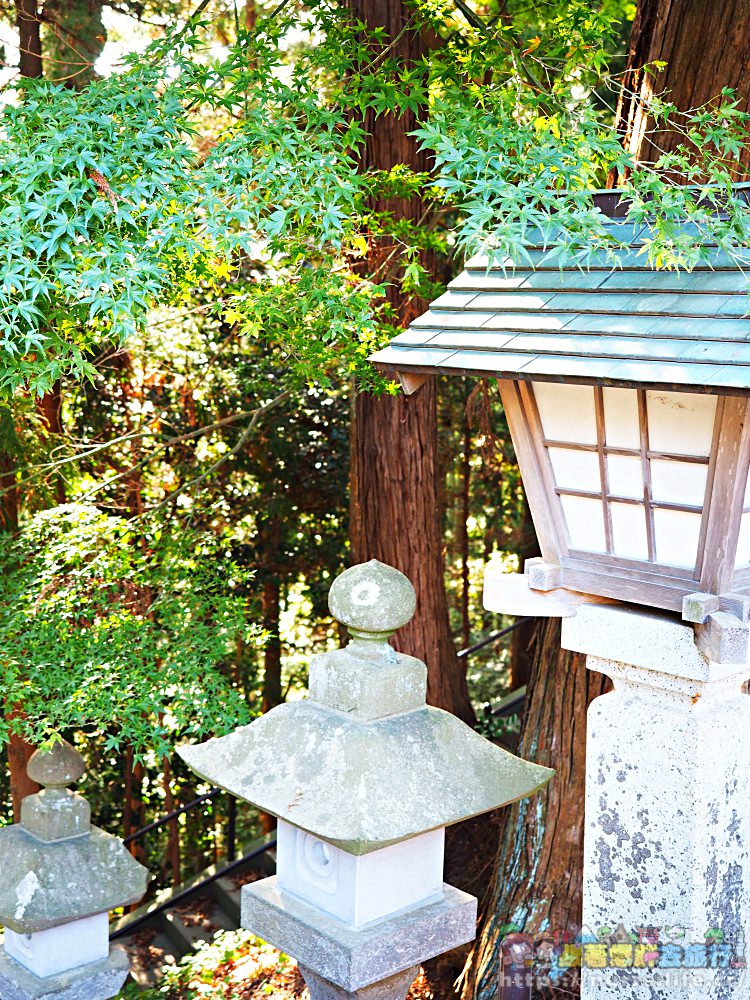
[
  {"x": 191, "y": 890},
  {"x": 181, "y": 810},
  {"x": 493, "y": 637},
  {"x": 168, "y": 817}
]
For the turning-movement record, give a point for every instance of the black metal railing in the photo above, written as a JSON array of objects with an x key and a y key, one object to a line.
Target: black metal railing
[
  {"x": 493, "y": 637},
  {"x": 132, "y": 925},
  {"x": 170, "y": 817}
]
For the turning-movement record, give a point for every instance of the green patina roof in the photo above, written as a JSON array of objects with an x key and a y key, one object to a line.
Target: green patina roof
[{"x": 586, "y": 318}]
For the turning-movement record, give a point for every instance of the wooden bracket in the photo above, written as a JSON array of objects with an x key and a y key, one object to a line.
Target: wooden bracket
[
  {"x": 723, "y": 638},
  {"x": 411, "y": 381},
  {"x": 737, "y": 605},
  {"x": 542, "y": 575},
  {"x": 697, "y": 607}
]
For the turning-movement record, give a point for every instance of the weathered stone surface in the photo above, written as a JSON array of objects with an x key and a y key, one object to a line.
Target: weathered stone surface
[
  {"x": 99, "y": 981},
  {"x": 643, "y": 639},
  {"x": 61, "y": 948},
  {"x": 354, "y": 959},
  {"x": 722, "y": 638},
  {"x": 394, "y": 988},
  {"x": 368, "y": 683},
  {"x": 55, "y": 768},
  {"x": 665, "y": 984},
  {"x": 44, "y": 884},
  {"x": 56, "y": 814},
  {"x": 359, "y": 889},
  {"x": 372, "y": 599},
  {"x": 365, "y": 763},
  {"x": 667, "y": 842},
  {"x": 360, "y": 785}
]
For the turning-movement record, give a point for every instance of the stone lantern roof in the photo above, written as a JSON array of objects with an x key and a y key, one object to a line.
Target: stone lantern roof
[
  {"x": 587, "y": 316},
  {"x": 364, "y": 763},
  {"x": 57, "y": 867}
]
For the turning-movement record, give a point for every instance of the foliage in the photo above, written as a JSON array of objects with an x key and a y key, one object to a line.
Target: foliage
[
  {"x": 107, "y": 627},
  {"x": 114, "y": 199},
  {"x": 209, "y": 971},
  {"x": 192, "y": 248}
]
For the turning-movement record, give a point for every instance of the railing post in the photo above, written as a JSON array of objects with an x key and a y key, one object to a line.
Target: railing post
[{"x": 231, "y": 828}]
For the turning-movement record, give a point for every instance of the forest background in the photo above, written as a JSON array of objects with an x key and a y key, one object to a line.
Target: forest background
[{"x": 211, "y": 216}]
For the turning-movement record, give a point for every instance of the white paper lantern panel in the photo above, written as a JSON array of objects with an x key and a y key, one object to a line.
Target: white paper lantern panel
[
  {"x": 567, "y": 412},
  {"x": 680, "y": 423}
]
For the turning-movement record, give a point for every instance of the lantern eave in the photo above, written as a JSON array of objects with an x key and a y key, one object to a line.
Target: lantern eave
[{"x": 334, "y": 776}]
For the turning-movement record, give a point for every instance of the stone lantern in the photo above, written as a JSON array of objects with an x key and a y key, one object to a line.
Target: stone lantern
[
  {"x": 626, "y": 392},
  {"x": 363, "y": 778},
  {"x": 60, "y": 877}
]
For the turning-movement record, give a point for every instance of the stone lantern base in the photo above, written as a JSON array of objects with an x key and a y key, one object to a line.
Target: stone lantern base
[
  {"x": 97, "y": 981},
  {"x": 360, "y": 962},
  {"x": 666, "y": 895},
  {"x": 394, "y": 988}
]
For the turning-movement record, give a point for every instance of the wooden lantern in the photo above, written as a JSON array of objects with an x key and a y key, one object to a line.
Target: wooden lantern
[{"x": 626, "y": 394}]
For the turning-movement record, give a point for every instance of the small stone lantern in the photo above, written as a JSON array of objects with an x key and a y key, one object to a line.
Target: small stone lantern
[
  {"x": 60, "y": 876},
  {"x": 364, "y": 778}
]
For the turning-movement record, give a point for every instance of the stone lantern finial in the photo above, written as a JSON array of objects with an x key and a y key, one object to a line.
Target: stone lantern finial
[
  {"x": 56, "y": 813},
  {"x": 61, "y": 876},
  {"x": 373, "y": 600},
  {"x": 58, "y": 767}
]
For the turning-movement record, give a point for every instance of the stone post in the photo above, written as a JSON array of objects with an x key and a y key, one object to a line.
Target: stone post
[
  {"x": 59, "y": 875},
  {"x": 364, "y": 778},
  {"x": 666, "y": 870}
]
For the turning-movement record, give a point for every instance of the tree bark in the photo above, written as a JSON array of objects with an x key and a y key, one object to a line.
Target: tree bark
[
  {"x": 172, "y": 855},
  {"x": 706, "y": 46},
  {"x": 29, "y": 38},
  {"x": 523, "y": 639},
  {"x": 538, "y": 879},
  {"x": 9, "y": 492},
  {"x": 21, "y": 785},
  {"x": 271, "y": 600},
  {"x": 396, "y": 514},
  {"x": 463, "y": 533}
]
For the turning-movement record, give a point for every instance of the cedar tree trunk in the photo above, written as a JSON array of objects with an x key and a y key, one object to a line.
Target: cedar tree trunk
[
  {"x": 396, "y": 513},
  {"x": 272, "y": 650},
  {"x": 29, "y": 38},
  {"x": 537, "y": 883},
  {"x": 706, "y": 45}
]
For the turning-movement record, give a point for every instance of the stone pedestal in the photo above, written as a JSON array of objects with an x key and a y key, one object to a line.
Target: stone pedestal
[
  {"x": 667, "y": 872},
  {"x": 356, "y": 959},
  {"x": 394, "y": 988},
  {"x": 96, "y": 981}
]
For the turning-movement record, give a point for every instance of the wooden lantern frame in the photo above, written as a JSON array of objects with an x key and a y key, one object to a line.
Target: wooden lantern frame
[{"x": 608, "y": 575}]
